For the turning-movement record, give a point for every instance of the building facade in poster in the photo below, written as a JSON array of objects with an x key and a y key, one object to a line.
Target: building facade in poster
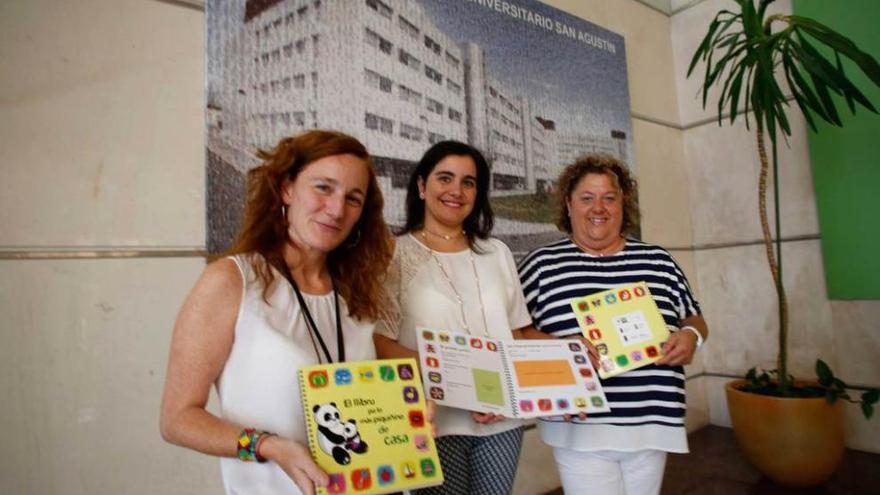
[{"x": 388, "y": 73}]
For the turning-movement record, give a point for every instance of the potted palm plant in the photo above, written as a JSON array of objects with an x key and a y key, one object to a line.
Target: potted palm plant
[{"x": 780, "y": 422}]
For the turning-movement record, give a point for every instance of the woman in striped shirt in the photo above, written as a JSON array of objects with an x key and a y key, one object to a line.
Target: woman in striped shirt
[{"x": 623, "y": 451}]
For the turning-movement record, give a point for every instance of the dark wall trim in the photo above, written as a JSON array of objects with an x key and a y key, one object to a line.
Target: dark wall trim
[
  {"x": 752, "y": 242},
  {"x": 103, "y": 252}
]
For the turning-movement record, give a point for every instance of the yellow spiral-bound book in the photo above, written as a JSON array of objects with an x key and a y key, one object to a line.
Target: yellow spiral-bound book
[
  {"x": 625, "y": 326},
  {"x": 367, "y": 426}
]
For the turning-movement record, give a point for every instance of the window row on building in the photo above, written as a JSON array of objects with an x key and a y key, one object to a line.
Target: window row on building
[
  {"x": 432, "y": 45},
  {"x": 537, "y": 145},
  {"x": 452, "y": 86},
  {"x": 381, "y": 7},
  {"x": 297, "y": 47},
  {"x": 297, "y": 81},
  {"x": 503, "y": 118},
  {"x": 300, "y": 15},
  {"x": 377, "y": 81},
  {"x": 506, "y": 158},
  {"x": 297, "y": 118},
  {"x": 408, "y": 59},
  {"x": 413, "y": 31},
  {"x": 406, "y": 131},
  {"x": 377, "y": 123},
  {"x": 504, "y": 138},
  {"x": 410, "y": 95},
  {"x": 453, "y": 60},
  {"x": 409, "y": 28},
  {"x": 504, "y": 101},
  {"x": 375, "y": 40},
  {"x": 433, "y": 74}
]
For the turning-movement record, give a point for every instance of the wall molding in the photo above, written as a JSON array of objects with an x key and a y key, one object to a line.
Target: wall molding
[
  {"x": 189, "y": 4},
  {"x": 751, "y": 242},
  {"x": 105, "y": 252},
  {"x": 100, "y": 252}
]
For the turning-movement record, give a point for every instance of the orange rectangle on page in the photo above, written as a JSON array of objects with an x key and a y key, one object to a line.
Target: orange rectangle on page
[{"x": 543, "y": 373}]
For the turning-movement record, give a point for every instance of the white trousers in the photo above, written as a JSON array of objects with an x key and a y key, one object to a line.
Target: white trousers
[{"x": 610, "y": 472}]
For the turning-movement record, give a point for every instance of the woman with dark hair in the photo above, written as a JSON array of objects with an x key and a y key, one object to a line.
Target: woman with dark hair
[
  {"x": 623, "y": 451},
  {"x": 447, "y": 273},
  {"x": 300, "y": 286}
]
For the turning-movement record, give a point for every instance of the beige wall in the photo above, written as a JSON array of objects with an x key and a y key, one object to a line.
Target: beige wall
[
  {"x": 101, "y": 124},
  {"x": 101, "y": 146}
]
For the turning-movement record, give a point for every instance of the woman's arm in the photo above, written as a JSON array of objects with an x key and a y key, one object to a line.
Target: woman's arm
[
  {"x": 200, "y": 346},
  {"x": 387, "y": 348},
  {"x": 682, "y": 344},
  {"x": 530, "y": 332}
]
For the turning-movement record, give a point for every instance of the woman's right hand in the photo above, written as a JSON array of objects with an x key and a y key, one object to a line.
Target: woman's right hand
[
  {"x": 296, "y": 460},
  {"x": 486, "y": 418},
  {"x": 568, "y": 417}
]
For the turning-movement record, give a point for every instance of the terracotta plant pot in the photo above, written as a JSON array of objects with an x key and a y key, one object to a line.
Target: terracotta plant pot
[{"x": 794, "y": 442}]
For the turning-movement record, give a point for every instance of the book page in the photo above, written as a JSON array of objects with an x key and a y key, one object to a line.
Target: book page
[
  {"x": 553, "y": 377},
  {"x": 463, "y": 371}
]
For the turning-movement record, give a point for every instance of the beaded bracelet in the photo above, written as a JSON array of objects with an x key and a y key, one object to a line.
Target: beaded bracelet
[{"x": 249, "y": 440}]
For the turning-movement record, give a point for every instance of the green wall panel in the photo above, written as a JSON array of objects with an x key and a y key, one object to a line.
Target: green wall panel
[{"x": 846, "y": 163}]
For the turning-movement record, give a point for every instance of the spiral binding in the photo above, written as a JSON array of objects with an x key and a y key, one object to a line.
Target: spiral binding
[
  {"x": 511, "y": 390},
  {"x": 307, "y": 409}
]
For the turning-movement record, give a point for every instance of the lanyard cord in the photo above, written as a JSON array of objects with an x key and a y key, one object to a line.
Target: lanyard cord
[{"x": 310, "y": 322}]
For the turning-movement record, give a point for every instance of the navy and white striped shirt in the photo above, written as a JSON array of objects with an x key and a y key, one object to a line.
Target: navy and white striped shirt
[{"x": 647, "y": 404}]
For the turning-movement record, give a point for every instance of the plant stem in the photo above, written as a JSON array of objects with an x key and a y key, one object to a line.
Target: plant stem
[
  {"x": 771, "y": 19},
  {"x": 775, "y": 268},
  {"x": 780, "y": 286}
]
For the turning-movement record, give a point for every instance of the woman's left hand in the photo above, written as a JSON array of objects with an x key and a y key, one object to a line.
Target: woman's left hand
[
  {"x": 679, "y": 349},
  {"x": 486, "y": 418}
]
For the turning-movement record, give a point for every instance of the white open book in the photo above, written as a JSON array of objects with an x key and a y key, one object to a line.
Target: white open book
[{"x": 515, "y": 378}]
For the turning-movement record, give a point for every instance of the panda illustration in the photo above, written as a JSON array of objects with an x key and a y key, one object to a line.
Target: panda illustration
[
  {"x": 335, "y": 437},
  {"x": 353, "y": 441}
]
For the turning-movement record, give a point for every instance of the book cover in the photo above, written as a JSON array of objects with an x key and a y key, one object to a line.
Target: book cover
[
  {"x": 625, "y": 326},
  {"x": 367, "y": 427},
  {"x": 515, "y": 378}
]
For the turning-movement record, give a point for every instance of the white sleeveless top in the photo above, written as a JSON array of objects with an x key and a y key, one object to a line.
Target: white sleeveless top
[{"x": 258, "y": 386}]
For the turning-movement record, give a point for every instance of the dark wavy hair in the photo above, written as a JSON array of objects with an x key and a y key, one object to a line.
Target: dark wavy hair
[
  {"x": 603, "y": 165},
  {"x": 358, "y": 264},
  {"x": 481, "y": 220}
]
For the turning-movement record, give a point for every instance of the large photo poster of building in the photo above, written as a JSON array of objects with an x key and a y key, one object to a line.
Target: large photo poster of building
[{"x": 531, "y": 86}]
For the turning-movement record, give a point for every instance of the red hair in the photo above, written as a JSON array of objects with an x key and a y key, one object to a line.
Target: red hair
[{"x": 359, "y": 263}]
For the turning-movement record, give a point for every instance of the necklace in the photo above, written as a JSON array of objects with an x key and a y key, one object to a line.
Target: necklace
[
  {"x": 310, "y": 321},
  {"x": 445, "y": 237},
  {"x": 458, "y": 295},
  {"x": 616, "y": 248}
]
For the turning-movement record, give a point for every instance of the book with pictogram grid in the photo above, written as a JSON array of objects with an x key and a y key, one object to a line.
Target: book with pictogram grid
[
  {"x": 514, "y": 378},
  {"x": 367, "y": 427},
  {"x": 625, "y": 326}
]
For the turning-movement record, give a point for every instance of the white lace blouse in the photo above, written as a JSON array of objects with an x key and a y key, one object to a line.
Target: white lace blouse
[{"x": 419, "y": 294}]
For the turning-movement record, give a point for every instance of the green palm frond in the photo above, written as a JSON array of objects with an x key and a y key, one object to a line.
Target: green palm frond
[{"x": 743, "y": 56}]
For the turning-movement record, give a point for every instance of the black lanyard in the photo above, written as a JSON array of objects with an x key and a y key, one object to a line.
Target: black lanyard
[{"x": 310, "y": 322}]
